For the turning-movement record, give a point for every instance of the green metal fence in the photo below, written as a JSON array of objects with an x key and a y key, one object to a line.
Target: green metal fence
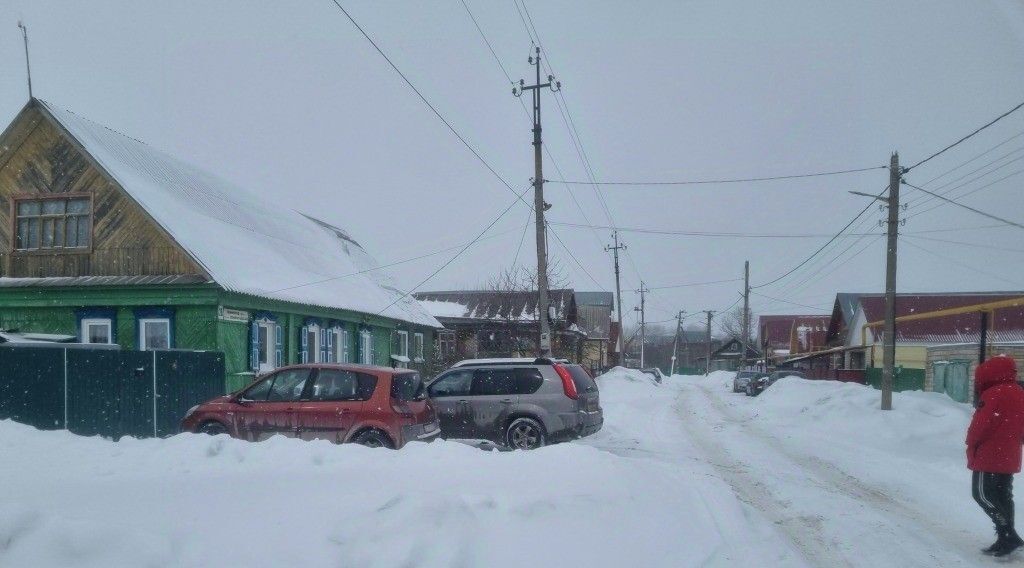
[
  {"x": 905, "y": 379},
  {"x": 111, "y": 393}
]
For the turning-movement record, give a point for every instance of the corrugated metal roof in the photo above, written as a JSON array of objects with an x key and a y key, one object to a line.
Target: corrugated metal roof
[
  {"x": 59, "y": 281},
  {"x": 1008, "y": 324},
  {"x": 779, "y": 328},
  {"x": 496, "y": 305},
  {"x": 246, "y": 243}
]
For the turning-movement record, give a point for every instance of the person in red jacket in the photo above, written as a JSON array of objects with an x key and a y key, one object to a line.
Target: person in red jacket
[{"x": 994, "y": 447}]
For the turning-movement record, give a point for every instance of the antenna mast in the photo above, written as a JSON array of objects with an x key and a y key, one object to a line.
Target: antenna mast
[{"x": 28, "y": 68}]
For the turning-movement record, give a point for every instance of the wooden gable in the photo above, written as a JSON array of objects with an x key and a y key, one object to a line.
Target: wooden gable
[{"x": 39, "y": 158}]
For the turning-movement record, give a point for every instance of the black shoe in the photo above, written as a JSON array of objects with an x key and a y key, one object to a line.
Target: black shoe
[
  {"x": 1009, "y": 546},
  {"x": 993, "y": 547}
]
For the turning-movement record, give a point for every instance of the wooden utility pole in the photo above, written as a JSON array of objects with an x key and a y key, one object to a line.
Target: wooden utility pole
[
  {"x": 643, "y": 324},
  {"x": 539, "y": 206},
  {"x": 707, "y": 368},
  {"x": 889, "y": 348},
  {"x": 618, "y": 287},
  {"x": 675, "y": 343},
  {"x": 746, "y": 313}
]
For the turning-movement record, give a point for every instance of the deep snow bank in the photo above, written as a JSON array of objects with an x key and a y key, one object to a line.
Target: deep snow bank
[{"x": 200, "y": 501}]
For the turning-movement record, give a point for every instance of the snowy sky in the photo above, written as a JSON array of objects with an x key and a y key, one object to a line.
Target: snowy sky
[{"x": 289, "y": 99}]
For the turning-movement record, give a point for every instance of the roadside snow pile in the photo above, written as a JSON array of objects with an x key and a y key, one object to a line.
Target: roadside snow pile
[
  {"x": 722, "y": 378},
  {"x": 621, "y": 374},
  {"x": 191, "y": 500},
  {"x": 922, "y": 424}
]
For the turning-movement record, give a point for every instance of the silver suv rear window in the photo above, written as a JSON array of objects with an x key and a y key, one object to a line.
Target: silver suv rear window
[{"x": 583, "y": 381}]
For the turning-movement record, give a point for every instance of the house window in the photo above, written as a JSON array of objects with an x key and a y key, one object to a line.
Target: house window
[
  {"x": 52, "y": 223},
  {"x": 311, "y": 343},
  {"x": 417, "y": 347},
  {"x": 97, "y": 330},
  {"x": 446, "y": 343},
  {"x": 339, "y": 349},
  {"x": 154, "y": 333},
  {"x": 267, "y": 351},
  {"x": 400, "y": 348},
  {"x": 366, "y": 347}
]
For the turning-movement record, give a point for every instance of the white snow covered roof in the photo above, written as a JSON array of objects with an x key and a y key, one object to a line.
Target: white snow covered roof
[{"x": 247, "y": 244}]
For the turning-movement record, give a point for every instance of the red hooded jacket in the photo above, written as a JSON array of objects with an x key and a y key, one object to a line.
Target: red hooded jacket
[{"x": 997, "y": 430}]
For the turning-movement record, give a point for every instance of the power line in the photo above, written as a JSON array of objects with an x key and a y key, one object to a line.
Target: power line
[
  {"x": 428, "y": 103},
  {"x": 692, "y": 284},
  {"x": 966, "y": 244},
  {"x": 457, "y": 255},
  {"x": 815, "y": 253},
  {"x": 395, "y": 263},
  {"x": 719, "y": 181},
  {"x": 711, "y": 233},
  {"x": 489, "y": 46},
  {"x": 967, "y": 207},
  {"x": 958, "y": 142},
  {"x": 971, "y": 192},
  {"x": 926, "y": 199},
  {"x": 963, "y": 265},
  {"x": 964, "y": 163},
  {"x": 577, "y": 261},
  {"x": 787, "y": 301}
]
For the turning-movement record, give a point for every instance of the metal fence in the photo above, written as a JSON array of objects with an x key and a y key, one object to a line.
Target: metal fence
[{"x": 106, "y": 392}]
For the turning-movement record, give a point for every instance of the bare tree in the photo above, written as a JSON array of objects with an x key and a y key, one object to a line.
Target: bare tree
[{"x": 731, "y": 323}]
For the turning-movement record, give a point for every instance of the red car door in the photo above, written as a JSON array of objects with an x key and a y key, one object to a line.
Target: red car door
[
  {"x": 262, "y": 417},
  {"x": 334, "y": 402}
]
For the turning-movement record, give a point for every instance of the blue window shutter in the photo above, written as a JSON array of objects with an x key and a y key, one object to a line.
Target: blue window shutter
[
  {"x": 279, "y": 343},
  {"x": 304, "y": 342},
  {"x": 254, "y": 346},
  {"x": 324, "y": 332},
  {"x": 330, "y": 346}
]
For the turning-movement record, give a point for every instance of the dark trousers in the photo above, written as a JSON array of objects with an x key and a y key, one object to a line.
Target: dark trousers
[{"x": 994, "y": 492}]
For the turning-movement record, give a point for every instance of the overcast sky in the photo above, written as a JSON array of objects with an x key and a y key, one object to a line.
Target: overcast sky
[{"x": 288, "y": 99}]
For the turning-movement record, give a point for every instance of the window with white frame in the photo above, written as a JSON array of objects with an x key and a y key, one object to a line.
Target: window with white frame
[
  {"x": 311, "y": 343},
  {"x": 400, "y": 348},
  {"x": 97, "y": 330},
  {"x": 154, "y": 333},
  {"x": 417, "y": 347},
  {"x": 340, "y": 345},
  {"x": 366, "y": 347},
  {"x": 267, "y": 348}
]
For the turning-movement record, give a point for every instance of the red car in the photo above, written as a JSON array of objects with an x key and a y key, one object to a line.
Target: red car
[{"x": 372, "y": 406}]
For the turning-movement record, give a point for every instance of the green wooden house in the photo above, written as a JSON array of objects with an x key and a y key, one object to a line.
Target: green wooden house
[{"x": 110, "y": 240}]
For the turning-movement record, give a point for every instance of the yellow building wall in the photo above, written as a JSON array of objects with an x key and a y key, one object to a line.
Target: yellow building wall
[{"x": 911, "y": 356}]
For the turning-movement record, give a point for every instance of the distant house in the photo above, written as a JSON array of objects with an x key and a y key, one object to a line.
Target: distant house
[
  {"x": 490, "y": 323},
  {"x": 107, "y": 239},
  {"x": 854, "y": 348},
  {"x": 594, "y": 318},
  {"x": 729, "y": 356}
]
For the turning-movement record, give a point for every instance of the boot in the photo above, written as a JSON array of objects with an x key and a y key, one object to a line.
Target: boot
[
  {"x": 995, "y": 545},
  {"x": 1010, "y": 543}
]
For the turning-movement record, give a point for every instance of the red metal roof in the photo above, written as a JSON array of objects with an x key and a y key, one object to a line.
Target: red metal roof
[
  {"x": 777, "y": 329},
  {"x": 811, "y": 332},
  {"x": 1008, "y": 324}
]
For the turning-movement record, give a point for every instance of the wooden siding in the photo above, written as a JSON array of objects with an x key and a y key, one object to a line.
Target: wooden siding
[{"x": 39, "y": 159}]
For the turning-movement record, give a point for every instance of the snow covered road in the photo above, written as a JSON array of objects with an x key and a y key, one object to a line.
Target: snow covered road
[{"x": 683, "y": 474}]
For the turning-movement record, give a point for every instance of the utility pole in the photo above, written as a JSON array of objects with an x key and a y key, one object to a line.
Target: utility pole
[
  {"x": 746, "y": 312},
  {"x": 889, "y": 348},
  {"x": 618, "y": 288},
  {"x": 539, "y": 206},
  {"x": 675, "y": 343},
  {"x": 707, "y": 368},
  {"x": 643, "y": 323},
  {"x": 28, "y": 67}
]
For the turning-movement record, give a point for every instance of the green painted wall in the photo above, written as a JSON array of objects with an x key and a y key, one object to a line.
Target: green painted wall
[
  {"x": 906, "y": 378},
  {"x": 197, "y": 326}
]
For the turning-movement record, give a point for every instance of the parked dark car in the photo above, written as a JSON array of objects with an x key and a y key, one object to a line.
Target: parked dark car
[
  {"x": 372, "y": 406},
  {"x": 743, "y": 378},
  {"x": 516, "y": 403},
  {"x": 758, "y": 386}
]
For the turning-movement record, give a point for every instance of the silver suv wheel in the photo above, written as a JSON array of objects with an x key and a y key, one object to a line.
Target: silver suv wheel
[{"x": 525, "y": 434}]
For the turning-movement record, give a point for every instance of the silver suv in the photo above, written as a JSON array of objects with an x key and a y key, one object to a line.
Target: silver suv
[{"x": 517, "y": 403}]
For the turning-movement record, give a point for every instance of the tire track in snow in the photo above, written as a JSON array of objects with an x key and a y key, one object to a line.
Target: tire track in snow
[
  {"x": 889, "y": 515},
  {"x": 804, "y": 532}
]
